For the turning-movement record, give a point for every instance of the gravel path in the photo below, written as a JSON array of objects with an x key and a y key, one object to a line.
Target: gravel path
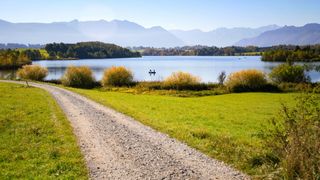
[{"x": 116, "y": 146}]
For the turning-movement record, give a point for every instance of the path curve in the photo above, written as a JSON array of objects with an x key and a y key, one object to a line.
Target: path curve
[{"x": 116, "y": 146}]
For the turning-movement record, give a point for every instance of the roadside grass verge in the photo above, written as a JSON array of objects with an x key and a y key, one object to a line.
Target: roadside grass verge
[
  {"x": 225, "y": 127},
  {"x": 175, "y": 93},
  {"x": 36, "y": 140}
]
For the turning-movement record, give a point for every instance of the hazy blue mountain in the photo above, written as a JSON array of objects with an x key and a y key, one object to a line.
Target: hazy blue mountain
[
  {"x": 34, "y": 33},
  {"x": 305, "y": 35},
  {"x": 220, "y": 37},
  {"x": 123, "y": 33},
  {"x": 126, "y": 33}
]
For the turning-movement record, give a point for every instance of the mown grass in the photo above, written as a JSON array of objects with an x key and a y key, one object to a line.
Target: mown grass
[
  {"x": 225, "y": 127},
  {"x": 36, "y": 140}
]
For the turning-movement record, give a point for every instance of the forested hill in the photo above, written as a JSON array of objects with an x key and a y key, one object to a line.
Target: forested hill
[
  {"x": 10, "y": 59},
  {"x": 88, "y": 50},
  {"x": 293, "y": 53},
  {"x": 15, "y": 58},
  {"x": 305, "y": 35},
  {"x": 199, "y": 51},
  {"x": 274, "y": 53}
]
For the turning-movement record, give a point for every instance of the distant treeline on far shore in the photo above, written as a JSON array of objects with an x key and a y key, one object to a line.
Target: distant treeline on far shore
[
  {"x": 274, "y": 53},
  {"x": 293, "y": 54},
  {"x": 13, "y": 58},
  {"x": 16, "y": 57}
]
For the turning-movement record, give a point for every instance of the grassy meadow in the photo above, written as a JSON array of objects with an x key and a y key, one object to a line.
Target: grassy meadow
[
  {"x": 225, "y": 127},
  {"x": 36, "y": 140}
]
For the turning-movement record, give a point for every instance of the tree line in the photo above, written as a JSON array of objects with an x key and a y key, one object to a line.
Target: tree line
[
  {"x": 199, "y": 51},
  {"x": 16, "y": 58},
  {"x": 88, "y": 50},
  {"x": 291, "y": 54},
  {"x": 281, "y": 53},
  {"x": 11, "y": 58}
]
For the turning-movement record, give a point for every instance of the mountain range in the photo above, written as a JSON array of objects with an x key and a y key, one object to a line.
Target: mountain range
[
  {"x": 126, "y": 33},
  {"x": 305, "y": 35},
  {"x": 123, "y": 33},
  {"x": 220, "y": 37}
]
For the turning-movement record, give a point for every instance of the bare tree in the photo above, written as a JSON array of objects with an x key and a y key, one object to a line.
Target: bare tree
[{"x": 222, "y": 77}]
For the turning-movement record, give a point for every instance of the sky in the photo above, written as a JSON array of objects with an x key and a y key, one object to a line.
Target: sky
[{"x": 171, "y": 14}]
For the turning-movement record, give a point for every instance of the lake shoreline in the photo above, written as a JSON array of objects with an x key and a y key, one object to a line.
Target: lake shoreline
[
  {"x": 13, "y": 67},
  {"x": 72, "y": 59},
  {"x": 206, "y": 67}
]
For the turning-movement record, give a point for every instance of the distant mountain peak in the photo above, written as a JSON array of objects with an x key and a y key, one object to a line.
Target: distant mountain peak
[
  {"x": 118, "y": 21},
  {"x": 157, "y": 28},
  {"x": 221, "y": 36},
  {"x": 126, "y": 33},
  {"x": 121, "y": 32},
  {"x": 312, "y": 25},
  {"x": 304, "y": 35}
]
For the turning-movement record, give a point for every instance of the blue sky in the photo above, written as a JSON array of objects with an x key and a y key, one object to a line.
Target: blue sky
[{"x": 171, "y": 14}]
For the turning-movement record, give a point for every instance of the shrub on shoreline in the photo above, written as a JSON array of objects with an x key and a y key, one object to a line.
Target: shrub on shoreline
[
  {"x": 32, "y": 72},
  {"x": 242, "y": 81},
  {"x": 181, "y": 80},
  {"x": 80, "y": 77},
  {"x": 246, "y": 80},
  {"x": 117, "y": 76},
  {"x": 289, "y": 74}
]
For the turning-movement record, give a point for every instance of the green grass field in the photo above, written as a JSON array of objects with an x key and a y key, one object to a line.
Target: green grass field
[
  {"x": 36, "y": 140},
  {"x": 224, "y": 127}
]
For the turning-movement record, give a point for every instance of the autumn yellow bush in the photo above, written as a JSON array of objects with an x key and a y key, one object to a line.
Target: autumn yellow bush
[
  {"x": 246, "y": 80},
  {"x": 32, "y": 72},
  {"x": 181, "y": 80},
  {"x": 81, "y": 77},
  {"x": 117, "y": 76}
]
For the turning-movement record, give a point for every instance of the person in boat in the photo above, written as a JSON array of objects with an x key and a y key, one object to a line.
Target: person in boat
[{"x": 152, "y": 72}]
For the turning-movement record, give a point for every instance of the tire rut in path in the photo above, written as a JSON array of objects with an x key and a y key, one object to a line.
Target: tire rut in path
[{"x": 118, "y": 147}]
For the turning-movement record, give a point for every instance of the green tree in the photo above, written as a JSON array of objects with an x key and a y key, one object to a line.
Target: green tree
[{"x": 289, "y": 73}]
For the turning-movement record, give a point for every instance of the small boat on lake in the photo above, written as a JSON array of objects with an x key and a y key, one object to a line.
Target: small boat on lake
[{"x": 152, "y": 72}]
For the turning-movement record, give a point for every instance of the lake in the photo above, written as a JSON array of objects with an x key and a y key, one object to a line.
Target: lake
[{"x": 206, "y": 67}]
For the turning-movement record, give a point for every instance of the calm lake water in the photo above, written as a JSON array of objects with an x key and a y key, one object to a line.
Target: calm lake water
[{"x": 206, "y": 67}]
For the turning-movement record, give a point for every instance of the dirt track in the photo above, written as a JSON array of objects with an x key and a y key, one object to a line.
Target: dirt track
[{"x": 118, "y": 147}]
